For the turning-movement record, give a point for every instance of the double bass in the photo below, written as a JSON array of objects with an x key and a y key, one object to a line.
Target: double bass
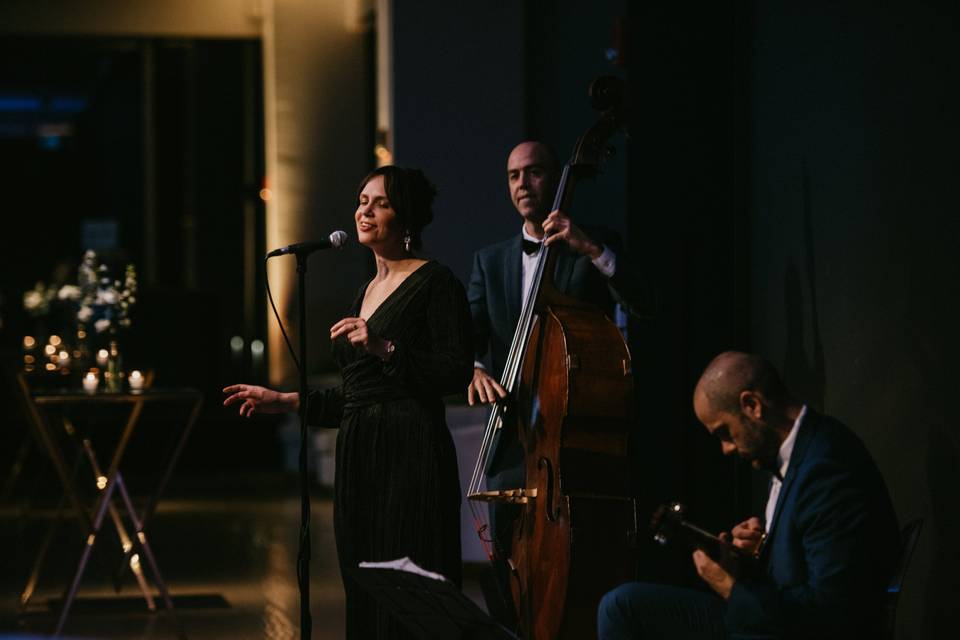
[{"x": 570, "y": 396}]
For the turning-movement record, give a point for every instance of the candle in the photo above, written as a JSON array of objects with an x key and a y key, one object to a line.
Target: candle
[
  {"x": 90, "y": 382},
  {"x": 256, "y": 354},
  {"x": 102, "y": 356},
  {"x": 64, "y": 359},
  {"x": 236, "y": 351},
  {"x": 136, "y": 380}
]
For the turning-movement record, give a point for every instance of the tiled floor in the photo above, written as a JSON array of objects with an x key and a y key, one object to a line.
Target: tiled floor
[{"x": 238, "y": 551}]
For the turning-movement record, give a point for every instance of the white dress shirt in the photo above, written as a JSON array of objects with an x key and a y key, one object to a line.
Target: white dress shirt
[
  {"x": 783, "y": 462},
  {"x": 606, "y": 263}
]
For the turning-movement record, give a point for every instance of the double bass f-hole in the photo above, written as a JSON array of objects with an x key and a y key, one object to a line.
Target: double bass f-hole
[{"x": 550, "y": 506}]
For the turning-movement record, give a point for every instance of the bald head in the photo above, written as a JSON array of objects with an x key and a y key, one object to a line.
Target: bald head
[
  {"x": 532, "y": 171},
  {"x": 731, "y": 373},
  {"x": 535, "y": 151},
  {"x": 741, "y": 400}
]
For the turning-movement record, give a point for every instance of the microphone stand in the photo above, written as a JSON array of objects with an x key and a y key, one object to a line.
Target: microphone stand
[
  {"x": 302, "y": 251},
  {"x": 303, "y": 557}
]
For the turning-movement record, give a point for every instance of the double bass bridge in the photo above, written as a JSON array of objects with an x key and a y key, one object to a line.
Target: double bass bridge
[{"x": 508, "y": 496}]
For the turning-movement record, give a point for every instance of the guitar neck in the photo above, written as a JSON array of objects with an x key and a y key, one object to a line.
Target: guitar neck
[{"x": 701, "y": 539}]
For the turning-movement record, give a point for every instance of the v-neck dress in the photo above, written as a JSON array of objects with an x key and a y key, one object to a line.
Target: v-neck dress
[{"x": 397, "y": 488}]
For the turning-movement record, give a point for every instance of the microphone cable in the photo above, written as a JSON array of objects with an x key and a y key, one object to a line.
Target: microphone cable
[
  {"x": 303, "y": 544},
  {"x": 276, "y": 314}
]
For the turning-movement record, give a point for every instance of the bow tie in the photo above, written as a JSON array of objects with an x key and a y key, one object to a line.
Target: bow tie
[{"x": 530, "y": 247}]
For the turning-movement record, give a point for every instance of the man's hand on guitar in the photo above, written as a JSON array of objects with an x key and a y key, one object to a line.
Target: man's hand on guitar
[
  {"x": 714, "y": 574},
  {"x": 748, "y": 536},
  {"x": 719, "y": 573}
]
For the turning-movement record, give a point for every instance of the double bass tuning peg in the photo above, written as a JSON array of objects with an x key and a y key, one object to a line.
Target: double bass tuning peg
[
  {"x": 605, "y": 92},
  {"x": 606, "y": 153}
]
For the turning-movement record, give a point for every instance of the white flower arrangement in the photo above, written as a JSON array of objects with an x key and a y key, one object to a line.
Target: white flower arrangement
[
  {"x": 106, "y": 296},
  {"x": 96, "y": 297},
  {"x": 102, "y": 300},
  {"x": 36, "y": 301},
  {"x": 107, "y": 302},
  {"x": 87, "y": 272},
  {"x": 69, "y": 292}
]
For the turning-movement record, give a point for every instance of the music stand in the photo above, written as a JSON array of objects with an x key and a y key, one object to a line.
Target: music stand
[{"x": 430, "y": 609}]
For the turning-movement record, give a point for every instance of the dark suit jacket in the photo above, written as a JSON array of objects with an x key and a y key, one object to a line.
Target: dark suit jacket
[
  {"x": 832, "y": 548},
  {"x": 494, "y": 295}
]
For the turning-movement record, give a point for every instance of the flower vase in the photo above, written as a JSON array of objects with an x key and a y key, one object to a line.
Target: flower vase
[
  {"x": 114, "y": 375},
  {"x": 81, "y": 352}
]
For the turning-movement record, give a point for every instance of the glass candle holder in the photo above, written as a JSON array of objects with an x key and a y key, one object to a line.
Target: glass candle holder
[
  {"x": 135, "y": 380},
  {"x": 91, "y": 382}
]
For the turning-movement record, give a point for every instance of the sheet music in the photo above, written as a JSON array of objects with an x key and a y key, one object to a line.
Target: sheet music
[{"x": 403, "y": 564}]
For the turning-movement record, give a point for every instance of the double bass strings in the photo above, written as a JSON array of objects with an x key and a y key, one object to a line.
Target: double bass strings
[
  {"x": 509, "y": 379},
  {"x": 521, "y": 336}
]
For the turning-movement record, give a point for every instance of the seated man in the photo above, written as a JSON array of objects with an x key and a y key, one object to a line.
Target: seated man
[{"x": 829, "y": 545}]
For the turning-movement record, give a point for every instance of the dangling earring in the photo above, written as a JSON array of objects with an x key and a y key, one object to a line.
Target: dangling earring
[{"x": 406, "y": 242}]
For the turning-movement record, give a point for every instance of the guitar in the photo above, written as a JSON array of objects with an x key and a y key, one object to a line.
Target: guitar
[{"x": 668, "y": 524}]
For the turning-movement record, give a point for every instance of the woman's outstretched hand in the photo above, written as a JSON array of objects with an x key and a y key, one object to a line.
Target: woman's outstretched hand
[
  {"x": 355, "y": 329},
  {"x": 260, "y": 399}
]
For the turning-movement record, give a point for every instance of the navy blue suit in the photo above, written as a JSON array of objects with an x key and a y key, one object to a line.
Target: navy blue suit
[
  {"x": 831, "y": 550},
  {"x": 832, "y": 547}
]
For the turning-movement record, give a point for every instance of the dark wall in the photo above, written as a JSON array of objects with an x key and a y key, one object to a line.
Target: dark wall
[
  {"x": 687, "y": 233},
  {"x": 567, "y": 47},
  {"x": 472, "y": 83},
  {"x": 458, "y": 110},
  {"x": 853, "y": 247}
]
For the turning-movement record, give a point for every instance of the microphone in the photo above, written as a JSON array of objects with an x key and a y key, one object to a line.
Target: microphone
[{"x": 336, "y": 240}]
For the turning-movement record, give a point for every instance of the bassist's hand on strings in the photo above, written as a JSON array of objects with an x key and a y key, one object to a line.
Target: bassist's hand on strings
[
  {"x": 559, "y": 228},
  {"x": 484, "y": 389}
]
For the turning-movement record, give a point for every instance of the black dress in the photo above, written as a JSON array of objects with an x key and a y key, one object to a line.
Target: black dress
[{"x": 397, "y": 488}]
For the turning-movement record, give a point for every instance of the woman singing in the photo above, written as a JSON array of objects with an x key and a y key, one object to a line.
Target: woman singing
[{"x": 404, "y": 344}]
